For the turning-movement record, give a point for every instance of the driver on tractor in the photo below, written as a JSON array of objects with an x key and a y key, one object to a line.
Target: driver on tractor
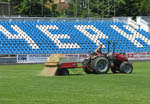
[{"x": 98, "y": 51}]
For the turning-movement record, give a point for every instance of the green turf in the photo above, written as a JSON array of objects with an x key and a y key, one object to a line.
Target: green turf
[{"x": 20, "y": 84}]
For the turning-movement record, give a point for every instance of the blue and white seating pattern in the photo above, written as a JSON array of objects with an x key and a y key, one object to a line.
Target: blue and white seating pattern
[{"x": 46, "y": 37}]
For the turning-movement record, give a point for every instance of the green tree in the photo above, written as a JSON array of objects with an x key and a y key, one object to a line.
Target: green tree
[
  {"x": 34, "y": 7},
  {"x": 128, "y": 8},
  {"x": 103, "y": 8},
  {"x": 145, "y": 7},
  {"x": 83, "y": 8},
  {"x": 94, "y": 8},
  {"x": 3, "y": 0}
]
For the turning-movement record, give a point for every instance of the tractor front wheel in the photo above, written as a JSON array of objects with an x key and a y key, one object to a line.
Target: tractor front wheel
[{"x": 126, "y": 67}]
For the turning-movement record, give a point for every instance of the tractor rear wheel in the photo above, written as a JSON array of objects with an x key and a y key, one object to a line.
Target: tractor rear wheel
[
  {"x": 62, "y": 72},
  {"x": 126, "y": 67},
  {"x": 100, "y": 65}
]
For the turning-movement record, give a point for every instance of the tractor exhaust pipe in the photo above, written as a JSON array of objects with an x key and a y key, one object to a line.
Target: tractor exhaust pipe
[{"x": 108, "y": 46}]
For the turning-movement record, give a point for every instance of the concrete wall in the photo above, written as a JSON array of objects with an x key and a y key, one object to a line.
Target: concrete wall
[{"x": 6, "y": 60}]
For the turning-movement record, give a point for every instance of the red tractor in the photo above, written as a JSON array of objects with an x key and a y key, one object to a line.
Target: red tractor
[{"x": 99, "y": 63}]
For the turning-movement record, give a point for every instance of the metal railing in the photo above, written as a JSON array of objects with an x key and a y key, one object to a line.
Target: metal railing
[{"x": 38, "y": 19}]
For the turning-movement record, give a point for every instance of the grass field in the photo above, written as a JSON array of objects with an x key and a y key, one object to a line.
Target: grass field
[{"x": 20, "y": 84}]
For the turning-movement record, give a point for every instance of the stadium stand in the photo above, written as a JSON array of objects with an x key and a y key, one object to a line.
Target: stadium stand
[
  {"x": 144, "y": 22},
  {"x": 82, "y": 36},
  {"x": 146, "y": 18}
]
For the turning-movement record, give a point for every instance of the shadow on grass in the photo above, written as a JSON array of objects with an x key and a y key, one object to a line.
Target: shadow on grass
[
  {"x": 92, "y": 74},
  {"x": 76, "y": 74}
]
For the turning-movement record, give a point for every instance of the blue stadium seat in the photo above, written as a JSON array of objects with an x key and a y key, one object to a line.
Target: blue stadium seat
[{"x": 40, "y": 40}]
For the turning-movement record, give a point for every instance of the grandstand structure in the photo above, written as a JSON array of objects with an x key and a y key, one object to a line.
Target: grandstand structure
[
  {"x": 144, "y": 22},
  {"x": 36, "y": 37}
]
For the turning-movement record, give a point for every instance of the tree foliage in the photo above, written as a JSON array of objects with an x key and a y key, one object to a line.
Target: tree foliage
[
  {"x": 128, "y": 8},
  {"x": 145, "y": 7},
  {"x": 83, "y": 8}
]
